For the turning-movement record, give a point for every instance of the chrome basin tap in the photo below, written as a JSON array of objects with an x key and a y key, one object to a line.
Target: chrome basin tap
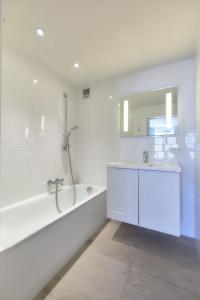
[{"x": 145, "y": 157}]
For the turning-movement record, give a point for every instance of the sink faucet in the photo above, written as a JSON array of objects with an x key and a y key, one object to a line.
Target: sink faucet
[{"x": 145, "y": 157}]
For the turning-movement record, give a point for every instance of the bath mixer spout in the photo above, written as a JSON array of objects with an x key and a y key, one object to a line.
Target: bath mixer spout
[{"x": 56, "y": 183}]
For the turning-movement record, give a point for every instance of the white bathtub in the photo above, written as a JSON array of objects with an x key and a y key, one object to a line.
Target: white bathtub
[{"x": 36, "y": 241}]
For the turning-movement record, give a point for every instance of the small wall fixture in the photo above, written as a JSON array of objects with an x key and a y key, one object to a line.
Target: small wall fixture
[{"x": 86, "y": 93}]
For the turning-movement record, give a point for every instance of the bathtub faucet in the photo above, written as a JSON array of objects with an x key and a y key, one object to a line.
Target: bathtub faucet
[{"x": 56, "y": 182}]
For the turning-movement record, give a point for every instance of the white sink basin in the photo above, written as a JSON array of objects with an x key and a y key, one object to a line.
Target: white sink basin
[
  {"x": 153, "y": 166},
  {"x": 156, "y": 163}
]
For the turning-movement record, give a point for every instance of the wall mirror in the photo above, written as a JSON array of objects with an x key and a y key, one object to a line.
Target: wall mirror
[{"x": 150, "y": 113}]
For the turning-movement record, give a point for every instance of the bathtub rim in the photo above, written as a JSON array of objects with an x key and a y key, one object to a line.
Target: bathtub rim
[
  {"x": 4, "y": 248},
  {"x": 38, "y": 197}
]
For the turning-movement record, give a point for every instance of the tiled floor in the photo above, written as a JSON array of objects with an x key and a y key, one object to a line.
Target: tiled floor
[{"x": 129, "y": 263}]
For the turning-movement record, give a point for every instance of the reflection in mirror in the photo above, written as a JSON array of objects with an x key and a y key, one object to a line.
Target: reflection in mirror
[{"x": 151, "y": 113}]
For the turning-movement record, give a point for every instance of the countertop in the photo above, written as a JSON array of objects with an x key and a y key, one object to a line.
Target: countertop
[{"x": 154, "y": 166}]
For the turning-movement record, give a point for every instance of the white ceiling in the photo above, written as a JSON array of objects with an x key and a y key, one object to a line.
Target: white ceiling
[{"x": 107, "y": 37}]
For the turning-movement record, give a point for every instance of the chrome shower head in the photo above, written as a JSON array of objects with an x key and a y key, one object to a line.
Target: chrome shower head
[
  {"x": 67, "y": 137},
  {"x": 74, "y": 128}
]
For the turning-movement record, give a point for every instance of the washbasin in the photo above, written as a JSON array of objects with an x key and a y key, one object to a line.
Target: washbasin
[{"x": 154, "y": 164}]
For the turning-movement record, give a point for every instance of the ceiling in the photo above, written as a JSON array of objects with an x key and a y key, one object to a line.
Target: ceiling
[{"x": 107, "y": 37}]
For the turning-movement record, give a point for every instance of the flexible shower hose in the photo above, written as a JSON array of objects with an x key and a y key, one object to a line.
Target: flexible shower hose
[
  {"x": 73, "y": 183},
  {"x": 57, "y": 204}
]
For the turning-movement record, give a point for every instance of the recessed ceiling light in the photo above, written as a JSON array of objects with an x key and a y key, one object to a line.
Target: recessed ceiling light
[
  {"x": 40, "y": 31},
  {"x": 110, "y": 97},
  {"x": 76, "y": 65},
  {"x": 35, "y": 81}
]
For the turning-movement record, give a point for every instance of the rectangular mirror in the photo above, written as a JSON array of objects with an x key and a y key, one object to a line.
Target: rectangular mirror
[{"x": 151, "y": 113}]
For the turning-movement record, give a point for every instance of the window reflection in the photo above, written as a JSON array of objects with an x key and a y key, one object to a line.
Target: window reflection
[{"x": 157, "y": 126}]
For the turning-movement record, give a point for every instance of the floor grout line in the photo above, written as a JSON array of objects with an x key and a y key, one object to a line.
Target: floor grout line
[
  {"x": 126, "y": 281},
  {"x": 128, "y": 275},
  {"x": 169, "y": 282}
]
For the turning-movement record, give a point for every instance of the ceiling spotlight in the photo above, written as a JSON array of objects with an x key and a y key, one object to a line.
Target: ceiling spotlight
[
  {"x": 110, "y": 97},
  {"x": 76, "y": 65},
  {"x": 40, "y": 31},
  {"x": 35, "y": 81}
]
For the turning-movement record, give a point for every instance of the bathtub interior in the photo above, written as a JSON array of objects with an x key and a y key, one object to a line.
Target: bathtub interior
[
  {"x": 21, "y": 220},
  {"x": 83, "y": 193}
]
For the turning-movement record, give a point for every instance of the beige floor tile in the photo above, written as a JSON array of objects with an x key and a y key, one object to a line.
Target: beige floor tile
[
  {"x": 126, "y": 262},
  {"x": 142, "y": 286},
  {"x": 94, "y": 276},
  {"x": 169, "y": 247},
  {"x": 116, "y": 250},
  {"x": 51, "y": 297},
  {"x": 109, "y": 230},
  {"x": 183, "y": 272}
]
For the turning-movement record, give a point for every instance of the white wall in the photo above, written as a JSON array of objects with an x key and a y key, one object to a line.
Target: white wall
[
  {"x": 99, "y": 140},
  {"x": 28, "y": 162},
  {"x": 197, "y": 156}
]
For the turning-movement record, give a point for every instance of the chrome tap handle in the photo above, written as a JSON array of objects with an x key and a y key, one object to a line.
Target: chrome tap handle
[
  {"x": 62, "y": 181},
  {"x": 59, "y": 181},
  {"x": 49, "y": 182},
  {"x": 145, "y": 157}
]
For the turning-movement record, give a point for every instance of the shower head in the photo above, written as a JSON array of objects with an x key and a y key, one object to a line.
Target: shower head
[
  {"x": 67, "y": 137},
  {"x": 74, "y": 128}
]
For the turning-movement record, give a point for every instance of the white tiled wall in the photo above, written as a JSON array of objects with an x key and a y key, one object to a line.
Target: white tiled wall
[
  {"x": 99, "y": 140},
  {"x": 32, "y": 124},
  {"x": 197, "y": 154}
]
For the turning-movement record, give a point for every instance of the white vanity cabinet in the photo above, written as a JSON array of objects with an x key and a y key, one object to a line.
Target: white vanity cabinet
[
  {"x": 147, "y": 196},
  {"x": 122, "y": 201},
  {"x": 159, "y": 201}
]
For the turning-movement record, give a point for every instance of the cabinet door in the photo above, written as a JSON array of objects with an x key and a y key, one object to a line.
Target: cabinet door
[
  {"x": 159, "y": 201},
  {"x": 122, "y": 202}
]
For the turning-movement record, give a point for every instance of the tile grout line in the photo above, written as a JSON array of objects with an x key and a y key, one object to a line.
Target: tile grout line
[
  {"x": 128, "y": 275},
  {"x": 124, "y": 285},
  {"x": 169, "y": 282}
]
